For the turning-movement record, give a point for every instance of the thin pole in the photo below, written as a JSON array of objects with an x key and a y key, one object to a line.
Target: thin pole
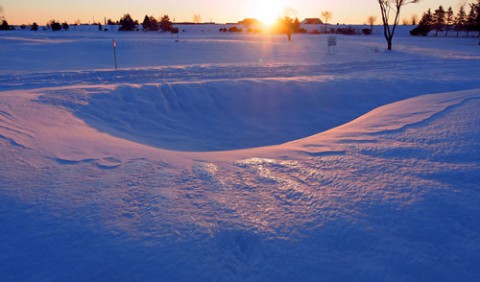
[{"x": 115, "y": 53}]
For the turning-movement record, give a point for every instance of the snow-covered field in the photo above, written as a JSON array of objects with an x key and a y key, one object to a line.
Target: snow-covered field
[{"x": 238, "y": 157}]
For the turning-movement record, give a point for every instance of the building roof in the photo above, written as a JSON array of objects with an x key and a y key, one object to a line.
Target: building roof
[
  {"x": 312, "y": 21},
  {"x": 249, "y": 21}
]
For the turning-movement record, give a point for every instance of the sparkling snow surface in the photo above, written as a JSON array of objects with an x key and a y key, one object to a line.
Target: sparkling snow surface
[{"x": 239, "y": 157}]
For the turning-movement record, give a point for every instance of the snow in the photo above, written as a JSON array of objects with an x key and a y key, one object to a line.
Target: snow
[{"x": 238, "y": 157}]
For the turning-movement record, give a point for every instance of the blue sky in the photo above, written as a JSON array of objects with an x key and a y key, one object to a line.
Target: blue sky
[{"x": 346, "y": 11}]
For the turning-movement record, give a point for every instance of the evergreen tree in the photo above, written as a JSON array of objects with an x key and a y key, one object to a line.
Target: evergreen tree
[
  {"x": 471, "y": 19},
  {"x": 477, "y": 18},
  {"x": 165, "y": 23},
  {"x": 127, "y": 23},
  {"x": 146, "y": 23},
  {"x": 439, "y": 20},
  {"x": 150, "y": 24},
  {"x": 54, "y": 25},
  {"x": 65, "y": 26},
  {"x": 425, "y": 25},
  {"x": 153, "y": 24},
  {"x": 5, "y": 25},
  {"x": 460, "y": 20},
  {"x": 427, "y": 19},
  {"x": 34, "y": 27},
  {"x": 449, "y": 20}
]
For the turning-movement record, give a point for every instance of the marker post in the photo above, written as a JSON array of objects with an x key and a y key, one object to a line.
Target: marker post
[{"x": 115, "y": 53}]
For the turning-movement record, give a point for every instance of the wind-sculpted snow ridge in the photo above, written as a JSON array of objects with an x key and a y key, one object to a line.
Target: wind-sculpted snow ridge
[{"x": 229, "y": 115}]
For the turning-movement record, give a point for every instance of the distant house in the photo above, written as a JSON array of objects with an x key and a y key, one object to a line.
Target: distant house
[
  {"x": 312, "y": 21},
  {"x": 249, "y": 22}
]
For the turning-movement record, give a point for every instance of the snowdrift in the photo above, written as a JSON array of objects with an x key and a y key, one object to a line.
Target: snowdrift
[{"x": 236, "y": 114}]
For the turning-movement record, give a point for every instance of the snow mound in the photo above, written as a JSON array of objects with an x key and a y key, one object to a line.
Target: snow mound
[{"x": 228, "y": 115}]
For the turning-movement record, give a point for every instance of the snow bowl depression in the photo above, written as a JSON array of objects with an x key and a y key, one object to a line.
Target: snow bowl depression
[{"x": 232, "y": 114}]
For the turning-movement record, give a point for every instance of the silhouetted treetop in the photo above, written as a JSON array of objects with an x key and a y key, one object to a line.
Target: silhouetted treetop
[
  {"x": 150, "y": 23},
  {"x": 5, "y": 25},
  {"x": 127, "y": 23},
  {"x": 165, "y": 23}
]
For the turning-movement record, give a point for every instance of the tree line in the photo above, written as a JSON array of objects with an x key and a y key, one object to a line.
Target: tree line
[
  {"x": 126, "y": 23},
  {"x": 150, "y": 23},
  {"x": 446, "y": 21}
]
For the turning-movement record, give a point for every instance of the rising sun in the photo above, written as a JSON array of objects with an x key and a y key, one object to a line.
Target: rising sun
[{"x": 268, "y": 11}]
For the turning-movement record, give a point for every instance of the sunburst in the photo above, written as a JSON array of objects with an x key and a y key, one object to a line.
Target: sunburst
[{"x": 268, "y": 11}]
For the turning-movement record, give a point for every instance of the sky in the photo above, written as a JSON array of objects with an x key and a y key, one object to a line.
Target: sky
[{"x": 346, "y": 11}]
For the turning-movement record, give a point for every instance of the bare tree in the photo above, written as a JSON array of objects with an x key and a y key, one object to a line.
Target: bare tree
[
  {"x": 326, "y": 15},
  {"x": 388, "y": 9},
  {"x": 371, "y": 21},
  {"x": 414, "y": 19},
  {"x": 2, "y": 14},
  {"x": 289, "y": 12},
  {"x": 197, "y": 18}
]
